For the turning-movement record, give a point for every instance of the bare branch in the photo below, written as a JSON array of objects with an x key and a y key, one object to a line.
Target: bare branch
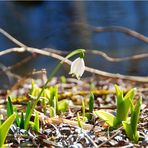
[
  {"x": 24, "y": 48},
  {"x": 104, "y": 55},
  {"x": 111, "y": 59},
  {"x": 116, "y": 29},
  {"x": 12, "y": 38},
  {"x": 100, "y": 29},
  {"x": 88, "y": 69}
]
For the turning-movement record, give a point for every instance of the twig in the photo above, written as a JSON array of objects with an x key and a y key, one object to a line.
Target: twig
[
  {"x": 8, "y": 73},
  {"x": 90, "y": 139},
  {"x": 111, "y": 137},
  {"x": 18, "y": 64},
  {"x": 111, "y": 59},
  {"x": 58, "y": 120},
  {"x": 116, "y": 29},
  {"x": 12, "y": 38}
]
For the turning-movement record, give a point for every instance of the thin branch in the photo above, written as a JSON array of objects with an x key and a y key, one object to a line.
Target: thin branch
[
  {"x": 116, "y": 29},
  {"x": 12, "y": 38},
  {"x": 118, "y": 131},
  {"x": 98, "y": 29},
  {"x": 88, "y": 69},
  {"x": 90, "y": 139},
  {"x": 108, "y": 58},
  {"x": 18, "y": 64},
  {"x": 58, "y": 120},
  {"x": 103, "y": 54},
  {"x": 111, "y": 59},
  {"x": 8, "y": 73}
]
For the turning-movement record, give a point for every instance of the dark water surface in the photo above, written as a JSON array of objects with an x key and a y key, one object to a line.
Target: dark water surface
[{"x": 53, "y": 24}]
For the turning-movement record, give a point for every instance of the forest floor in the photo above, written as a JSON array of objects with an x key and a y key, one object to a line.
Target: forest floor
[{"x": 63, "y": 129}]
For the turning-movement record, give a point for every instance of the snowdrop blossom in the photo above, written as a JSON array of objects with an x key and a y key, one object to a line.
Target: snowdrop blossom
[{"x": 77, "y": 68}]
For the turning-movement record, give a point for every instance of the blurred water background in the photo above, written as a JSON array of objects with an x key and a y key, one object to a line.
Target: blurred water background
[{"x": 52, "y": 24}]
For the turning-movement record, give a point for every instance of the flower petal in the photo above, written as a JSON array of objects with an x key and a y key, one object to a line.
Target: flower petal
[{"x": 77, "y": 67}]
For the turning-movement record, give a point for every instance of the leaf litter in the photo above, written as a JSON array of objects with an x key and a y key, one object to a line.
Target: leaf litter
[{"x": 63, "y": 130}]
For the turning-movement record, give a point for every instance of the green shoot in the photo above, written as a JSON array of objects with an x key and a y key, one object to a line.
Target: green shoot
[
  {"x": 53, "y": 100},
  {"x": 83, "y": 108},
  {"x": 63, "y": 105},
  {"x": 52, "y": 112},
  {"x": 83, "y": 111},
  {"x": 63, "y": 79},
  {"x": 4, "y": 128},
  {"x": 36, "y": 122},
  {"x": 9, "y": 107},
  {"x": 32, "y": 90},
  {"x": 50, "y": 95},
  {"x": 131, "y": 127},
  {"x": 17, "y": 120},
  {"x": 26, "y": 122},
  {"x": 79, "y": 120},
  {"x": 91, "y": 106},
  {"x": 123, "y": 106},
  {"x": 20, "y": 121}
]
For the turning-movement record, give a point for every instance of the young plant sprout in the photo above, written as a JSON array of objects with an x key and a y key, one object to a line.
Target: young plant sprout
[
  {"x": 123, "y": 106},
  {"x": 130, "y": 126},
  {"x": 80, "y": 124},
  {"x": 91, "y": 106},
  {"x": 77, "y": 67},
  {"x": 20, "y": 120}
]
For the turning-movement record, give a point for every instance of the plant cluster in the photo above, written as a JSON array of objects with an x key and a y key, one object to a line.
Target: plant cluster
[
  {"x": 50, "y": 97},
  {"x": 125, "y": 107},
  {"x": 23, "y": 121},
  {"x": 127, "y": 113}
]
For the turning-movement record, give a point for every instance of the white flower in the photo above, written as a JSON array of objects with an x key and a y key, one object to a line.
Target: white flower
[{"x": 77, "y": 67}]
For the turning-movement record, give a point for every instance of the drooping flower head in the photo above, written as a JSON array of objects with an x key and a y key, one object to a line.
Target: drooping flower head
[{"x": 78, "y": 67}]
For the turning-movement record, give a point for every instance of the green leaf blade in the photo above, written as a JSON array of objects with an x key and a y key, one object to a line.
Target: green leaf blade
[
  {"x": 135, "y": 116},
  {"x": 27, "y": 116},
  {"x": 9, "y": 107},
  {"x": 119, "y": 94},
  {"x": 91, "y": 103},
  {"x": 22, "y": 123},
  {"x": 4, "y": 128},
  {"x": 128, "y": 129},
  {"x": 130, "y": 94},
  {"x": 108, "y": 117},
  {"x": 63, "y": 105},
  {"x": 36, "y": 122}
]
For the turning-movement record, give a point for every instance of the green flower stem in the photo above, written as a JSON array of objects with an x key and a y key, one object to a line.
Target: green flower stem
[{"x": 78, "y": 51}]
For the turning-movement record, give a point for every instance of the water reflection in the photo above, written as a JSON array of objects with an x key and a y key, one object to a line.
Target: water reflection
[{"x": 53, "y": 24}]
